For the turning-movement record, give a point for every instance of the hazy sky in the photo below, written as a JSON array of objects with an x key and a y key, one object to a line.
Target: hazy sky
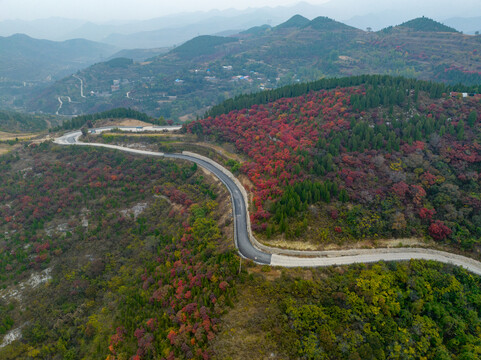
[
  {"x": 105, "y": 10},
  {"x": 121, "y": 9}
]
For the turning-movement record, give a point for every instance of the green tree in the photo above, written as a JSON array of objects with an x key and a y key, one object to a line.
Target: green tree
[
  {"x": 473, "y": 116},
  {"x": 460, "y": 130}
]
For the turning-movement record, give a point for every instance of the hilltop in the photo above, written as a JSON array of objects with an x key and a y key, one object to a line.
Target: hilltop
[
  {"x": 297, "y": 21},
  {"x": 201, "y": 46},
  {"x": 422, "y": 24},
  {"x": 326, "y": 24},
  {"x": 428, "y": 25},
  {"x": 27, "y": 59}
]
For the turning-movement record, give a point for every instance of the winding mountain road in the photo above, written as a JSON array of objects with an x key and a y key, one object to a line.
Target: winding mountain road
[{"x": 250, "y": 248}]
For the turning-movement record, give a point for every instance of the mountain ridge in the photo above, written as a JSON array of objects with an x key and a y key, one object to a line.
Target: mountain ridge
[
  {"x": 25, "y": 58},
  {"x": 263, "y": 58}
]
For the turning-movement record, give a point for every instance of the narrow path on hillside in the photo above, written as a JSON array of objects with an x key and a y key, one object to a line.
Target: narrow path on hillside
[
  {"x": 61, "y": 102},
  {"x": 81, "y": 86},
  {"x": 250, "y": 248},
  {"x": 60, "y": 106}
]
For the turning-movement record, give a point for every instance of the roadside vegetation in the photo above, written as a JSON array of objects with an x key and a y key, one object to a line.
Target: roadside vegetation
[{"x": 409, "y": 310}]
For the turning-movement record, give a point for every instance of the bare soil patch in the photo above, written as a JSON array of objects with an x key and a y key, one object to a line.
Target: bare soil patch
[
  {"x": 121, "y": 122},
  {"x": 221, "y": 150},
  {"x": 364, "y": 244}
]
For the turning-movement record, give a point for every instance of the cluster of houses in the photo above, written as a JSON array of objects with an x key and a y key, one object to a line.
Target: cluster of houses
[
  {"x": 454, "y": 94},
  {"x": 116, "y": 84}
]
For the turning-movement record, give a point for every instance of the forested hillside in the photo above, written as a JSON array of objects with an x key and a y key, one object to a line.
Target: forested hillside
[
  {"x": 247, "y": 100},
  {"x": 135, "y": 262},
  {"x": 424, "y": 24},
  {"x": 129, "y": 257},
  {"x": 115, "y": 256},
  {"x": 200, "y": 46},
  {"x": 415, "y": 310},
  {"x": 389, "y": 158},
  {"x": 18, "y": 122}
]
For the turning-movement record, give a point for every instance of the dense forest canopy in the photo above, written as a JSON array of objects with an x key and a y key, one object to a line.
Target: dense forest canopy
[
  {"x": 247, "y": 100},
  {"x": 381, "y": 156},
  {"x": 411, "y": 310},
  {"x": 139, "y": 267}
]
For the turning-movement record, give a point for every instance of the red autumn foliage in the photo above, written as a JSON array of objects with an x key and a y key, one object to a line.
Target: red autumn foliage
[
  {"x": 428, "y": 178},
  {"x": 439, "y": 231},
  {"x": 418, "y": 193},
  {"x": 367, "y": 149},
  {"x": 223, "y": 285},
  {"x": 273, "y": 138},
  {"x": 152, "y": 324},
  {"x": 401, "y": 189},
  {"x": 426, "y": 213}
]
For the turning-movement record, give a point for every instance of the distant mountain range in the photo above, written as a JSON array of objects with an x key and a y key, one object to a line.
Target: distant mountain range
[
  {"x": 206, "y": 69},
  {"x": 23, "y": 58},
  {"x": 163, "y": 31},
  {"x": 167, "y": 31}
]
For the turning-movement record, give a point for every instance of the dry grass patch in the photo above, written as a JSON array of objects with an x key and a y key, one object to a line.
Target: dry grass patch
[
  {"x": 4, "y": 136},
  {"x": 5, "y": 149},
  {"x": 267, "y": 271},
  {"x": 225, "y": 150},
  {"x": 246, "y": 331}
]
